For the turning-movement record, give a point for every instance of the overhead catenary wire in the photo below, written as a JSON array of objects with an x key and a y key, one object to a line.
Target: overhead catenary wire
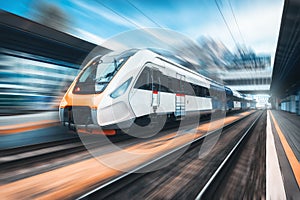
[
  {"x": 132, "y": 22},
  {"x": 144, "y": 14},
  {"x": 149, "y": 18},
  {"x": 238, "y": 27},
  {"x": 115, "y": 12},
  {"x": 150, "y": 32},
  {"x": 228, "y": 28}
]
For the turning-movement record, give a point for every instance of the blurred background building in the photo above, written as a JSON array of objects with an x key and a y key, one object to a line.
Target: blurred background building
[
  {"x": 35, "y": 80},
  {"x": 42, "y": 52},
  {"x": 38, "y": 63},
  {"x": 31, "y": 83}
]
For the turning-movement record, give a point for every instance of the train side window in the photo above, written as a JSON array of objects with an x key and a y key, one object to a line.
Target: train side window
[
  {"x": 205, "y": 92},
  {"x": 171, "y": 85},
  {"x": 198, "y": 90},
  {"x": 157, "y": 75},
  {"x": 144, "y": 82},
  {"x": 194, "y": 89},
  {"x": 175, "y": 85},
  {"x": 188, "y": 89},
  {"x": 183, "y": 87},
  {"x": 155, "y": 87},
  {"x": 164, "y": 87},
  {"x": 164, "y": 83}
]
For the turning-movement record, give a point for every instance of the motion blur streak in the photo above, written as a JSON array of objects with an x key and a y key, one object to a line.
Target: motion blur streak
[
  {"x": 70, "y": 181},
  {"x": 27, "y": 126},
  {"x": 31, "y": 83}
]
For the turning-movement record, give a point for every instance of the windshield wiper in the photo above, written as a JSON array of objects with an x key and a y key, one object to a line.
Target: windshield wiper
[
  {"x": 110, "y": 74},
  {"x": 102, "y": 82},
  {"x": 116, "y": 64},
  {"x": 113, "y": 72}
]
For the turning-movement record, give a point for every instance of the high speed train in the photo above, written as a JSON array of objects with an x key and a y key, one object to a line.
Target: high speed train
[{"x": 120, "y": 89}]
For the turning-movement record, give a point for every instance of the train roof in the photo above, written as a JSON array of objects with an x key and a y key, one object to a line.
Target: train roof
[
  {"x": 236, "y": 93},
  {"x": 228, "y": 90},
  {"x": 126, "y": 53},
  {"x": 174, "y": 58},
  {"x": 181, "y": 62},
  {"x": 167, "y": 56}
]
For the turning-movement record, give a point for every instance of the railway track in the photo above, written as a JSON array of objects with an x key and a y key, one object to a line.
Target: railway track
[
  {"x": 33, "y": 160},
  {"x": 34, "y": 147},
  {"x": 23, "y": 156},
  {"x": 132, "y": 182},
  {"x": 220, "y": 177},
  {"x": 26, "y": 161},
  {"x": 27, "y": 155}
]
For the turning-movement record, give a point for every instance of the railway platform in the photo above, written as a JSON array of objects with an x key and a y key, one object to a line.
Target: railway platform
[
  {"x": 22, "y": 130},
  {"x": 283, "y": 155}
]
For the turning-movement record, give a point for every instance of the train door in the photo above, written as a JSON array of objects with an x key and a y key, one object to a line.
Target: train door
[
  {"x": 180, "y": 96},
  {"x": 145, "y": 97},
  {"x": 156, "y": 84}
]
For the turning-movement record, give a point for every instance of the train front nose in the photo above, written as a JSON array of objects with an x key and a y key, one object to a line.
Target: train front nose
[
  {"x": 78, "y": 115},
  {"x": 78, "y": 109}
]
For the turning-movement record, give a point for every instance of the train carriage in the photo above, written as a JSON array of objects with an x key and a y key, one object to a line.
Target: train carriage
[{"x": 118, "y": 89}]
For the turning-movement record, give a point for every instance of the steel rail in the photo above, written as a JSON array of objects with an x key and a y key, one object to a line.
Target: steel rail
[
  {"x": 225, "y": 162},
  {"x": 127, "y": 174}
]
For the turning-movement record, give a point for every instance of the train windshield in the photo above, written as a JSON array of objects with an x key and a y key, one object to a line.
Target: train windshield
[{"x": 98, "y": 74}]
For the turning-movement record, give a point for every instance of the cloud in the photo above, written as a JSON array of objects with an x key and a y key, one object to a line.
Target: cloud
[
  {"x": 135, "y": 21},
  {"x": 104, "y": 13},
  {"x": 259, "y": 22},
  {"x": 259, "y": 27},
  {"x": 95, "y": 39},
  {"x": 89, "y": 36}
]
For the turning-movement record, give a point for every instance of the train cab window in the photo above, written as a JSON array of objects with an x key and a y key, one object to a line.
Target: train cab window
[{"x": 89, "y": 74}]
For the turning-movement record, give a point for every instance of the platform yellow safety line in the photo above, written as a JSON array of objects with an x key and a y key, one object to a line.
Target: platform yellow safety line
[{"x": 288, "y": 151}]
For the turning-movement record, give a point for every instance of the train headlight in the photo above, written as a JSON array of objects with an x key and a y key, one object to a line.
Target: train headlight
[{"x": 121, "y": 89}]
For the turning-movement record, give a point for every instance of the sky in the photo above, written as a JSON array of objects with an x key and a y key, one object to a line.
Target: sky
[{"x": 251, "y": 23}]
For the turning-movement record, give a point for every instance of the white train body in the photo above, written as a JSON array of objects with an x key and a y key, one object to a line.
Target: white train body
[{"x": 143, "y": 83}]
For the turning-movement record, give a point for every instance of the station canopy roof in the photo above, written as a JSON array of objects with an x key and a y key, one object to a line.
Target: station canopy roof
[{"x": 286, "y": 72}]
